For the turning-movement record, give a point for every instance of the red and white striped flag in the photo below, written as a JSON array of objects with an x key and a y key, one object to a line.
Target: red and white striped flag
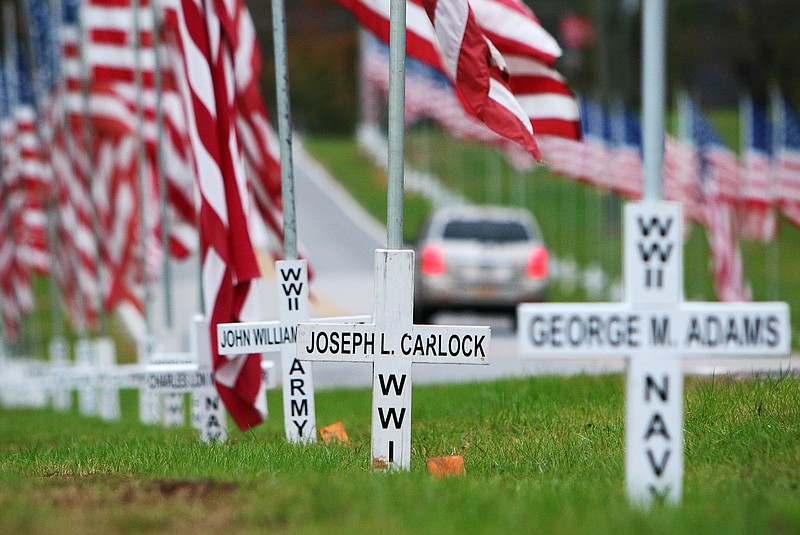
[
  {"x": 718, "y": 173},
  {"x": 112, "y": 62},
  {"x": 476, "y": 68},
  {"x": 478, "y": 72},
  {"x": 259, "y": 142},
  {"x": 756, "y": 210},
  {"x": 228, "y": 261},
  {"x": 430, "y": 94},
  {"x": 787, "y": 160},
  {"x": 530, "y": 53}
]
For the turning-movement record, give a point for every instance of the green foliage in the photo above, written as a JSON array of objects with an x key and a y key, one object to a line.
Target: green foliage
[
  {"x": 542, "y": 454},
  {"x": 366, "y": 182}
]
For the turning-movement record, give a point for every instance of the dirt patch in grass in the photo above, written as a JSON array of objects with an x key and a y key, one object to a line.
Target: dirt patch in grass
[
  {"x": 102, "y": 504},
  {"x": 101, "y": 491}
]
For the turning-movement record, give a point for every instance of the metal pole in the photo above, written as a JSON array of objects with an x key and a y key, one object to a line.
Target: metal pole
[
  {"x": 397, "y": 99},
  {"x": 142, "y": 171},
  {"x": 73, "y": 153},
  {"x": 653, "y": 91},
  {"x": 284, "y": 130},
  {"x": 166, "y": 277},
  {"x": 773, "y": 254},
  {"x": 10, "y": 21}
]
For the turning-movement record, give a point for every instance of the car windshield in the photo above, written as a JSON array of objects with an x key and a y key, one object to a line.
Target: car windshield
[{"x": 486, "y": 231}]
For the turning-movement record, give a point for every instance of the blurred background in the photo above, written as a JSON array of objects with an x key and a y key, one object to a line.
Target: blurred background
[{"x": 716, "y": 49}]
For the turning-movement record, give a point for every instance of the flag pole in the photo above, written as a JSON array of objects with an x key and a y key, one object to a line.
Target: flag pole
[
  {"x": 397, "y": 77},
  {"x": 778, "y": 122},
  {"x": 284, "y": 130},
  {"x": 653, "y": 84},
  {"x": 72, "y": 152},
  {"x": 166, "y": 277},
  {"x": 9, "y": 24},
  {"x": 143, "y": 230}
]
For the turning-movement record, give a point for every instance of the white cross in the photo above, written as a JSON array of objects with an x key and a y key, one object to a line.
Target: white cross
[
  {"x": 654, "y": 327},
  {"x": 299, "y": 413},
  {"x": 392, "y": 343},
  {"x": 196, "y": 377}
]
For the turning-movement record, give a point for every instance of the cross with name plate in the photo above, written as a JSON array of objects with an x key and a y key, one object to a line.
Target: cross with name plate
[
  {"x": 299, "y": 414},
  {"x": 392, "y": 343},
  {"x": 654, "y": 327}
]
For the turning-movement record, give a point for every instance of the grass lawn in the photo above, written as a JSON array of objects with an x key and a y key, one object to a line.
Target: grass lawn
[{"x": 542, "y": 455}]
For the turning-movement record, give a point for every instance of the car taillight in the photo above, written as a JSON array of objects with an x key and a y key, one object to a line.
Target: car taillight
[
  {"x": 432, "y": 264},
  {"x": 537, "y": 263}
]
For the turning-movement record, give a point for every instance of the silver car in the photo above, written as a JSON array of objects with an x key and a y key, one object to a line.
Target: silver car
[{"x": 479, "y": 258}]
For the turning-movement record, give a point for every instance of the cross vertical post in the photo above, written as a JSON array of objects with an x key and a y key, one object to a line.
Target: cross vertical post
[
  {"x": 392, "y": 344},
  {"x": 299, "y": 412},
  {"x": 653, "y": 278},
  {"x": 391, "y": 374},
  {"x": 654, "y": 328}
]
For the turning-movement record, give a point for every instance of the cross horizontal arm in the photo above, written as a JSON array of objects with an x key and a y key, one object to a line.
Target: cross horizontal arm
[
  {"x": 688, "y": 329},
  {"x": 339, "y": 342},
  {"x": 266, "y": 336},
  {"x": 446, "y": 344}
]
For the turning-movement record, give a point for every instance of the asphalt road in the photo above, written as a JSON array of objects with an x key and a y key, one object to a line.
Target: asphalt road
[{"x": 339, "y": 239}]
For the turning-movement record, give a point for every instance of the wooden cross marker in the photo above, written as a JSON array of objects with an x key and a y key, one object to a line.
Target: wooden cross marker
[
  {"x": 194, "y": 377},
  {"x": 654, "y": 327},
  {"x": 392, "y": 343},
  {"x": 299, "y": 412}
]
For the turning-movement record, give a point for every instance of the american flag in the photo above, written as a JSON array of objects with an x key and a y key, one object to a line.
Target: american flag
[
  {"x": 260, "y": 147},
  {"x": 429, "y": 94},
  {"x": 530, "y": 53},
  {"x": 26, "y": 177},
  {"x": 80, "y": 269},
  {"x": 478, "y": 72},
  {"x": 681, "y": 179},
  {"x": 112, "y": 61},
  {"x": 787, "y": 160},
  {"x": 716, "y": 165},
  {"x": 757, "y": 217},
  {"x": 540, "y": 90},
  {"x": 10, "y": 307},
  {"x": 229, "y": 266},
  {"x": 626, "y": 159},
  {"x": 514, "y": 29},
  {"x": 597, "y": 144}
]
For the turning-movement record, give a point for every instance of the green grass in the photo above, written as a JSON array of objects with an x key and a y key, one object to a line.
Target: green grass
[
  {"x": 366, "y": 182},
  {"x": 541, "y": 454}
]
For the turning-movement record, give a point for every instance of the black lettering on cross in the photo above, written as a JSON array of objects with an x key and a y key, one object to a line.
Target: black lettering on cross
[{"x": 392, "y": 344}]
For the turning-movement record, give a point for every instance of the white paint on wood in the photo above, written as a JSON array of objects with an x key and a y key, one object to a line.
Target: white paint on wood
[
  {"x": 655, "y": 328},
  {"x": 392, "y": 343},
  {"x": 299, "y": 412}
]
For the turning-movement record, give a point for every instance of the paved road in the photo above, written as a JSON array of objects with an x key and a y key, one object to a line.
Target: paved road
[{"x": 340, "y": 239}]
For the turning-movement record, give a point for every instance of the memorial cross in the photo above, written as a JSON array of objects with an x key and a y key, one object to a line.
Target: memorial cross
[
  {"x": 654, "y": 328},
  {"x": 196, "y": 378},
  {"x": 60, "y": 394},
  {"x": 392, "y": 343},
  {"x": 299, "y": 414}
]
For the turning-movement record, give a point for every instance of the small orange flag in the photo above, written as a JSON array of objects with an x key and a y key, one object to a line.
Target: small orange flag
[
  {"x": 449, "y": 465},
  {"x": 334, "y": 432}
]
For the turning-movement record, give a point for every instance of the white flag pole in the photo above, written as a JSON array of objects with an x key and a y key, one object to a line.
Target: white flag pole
[
  {"x": 166, "y": 265},
  {"x": 284, "y": 130},
  {"x": 142, "y": 170},
  {"x": 397, "y": 99},
  {"x": 653, "y": 91}
]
